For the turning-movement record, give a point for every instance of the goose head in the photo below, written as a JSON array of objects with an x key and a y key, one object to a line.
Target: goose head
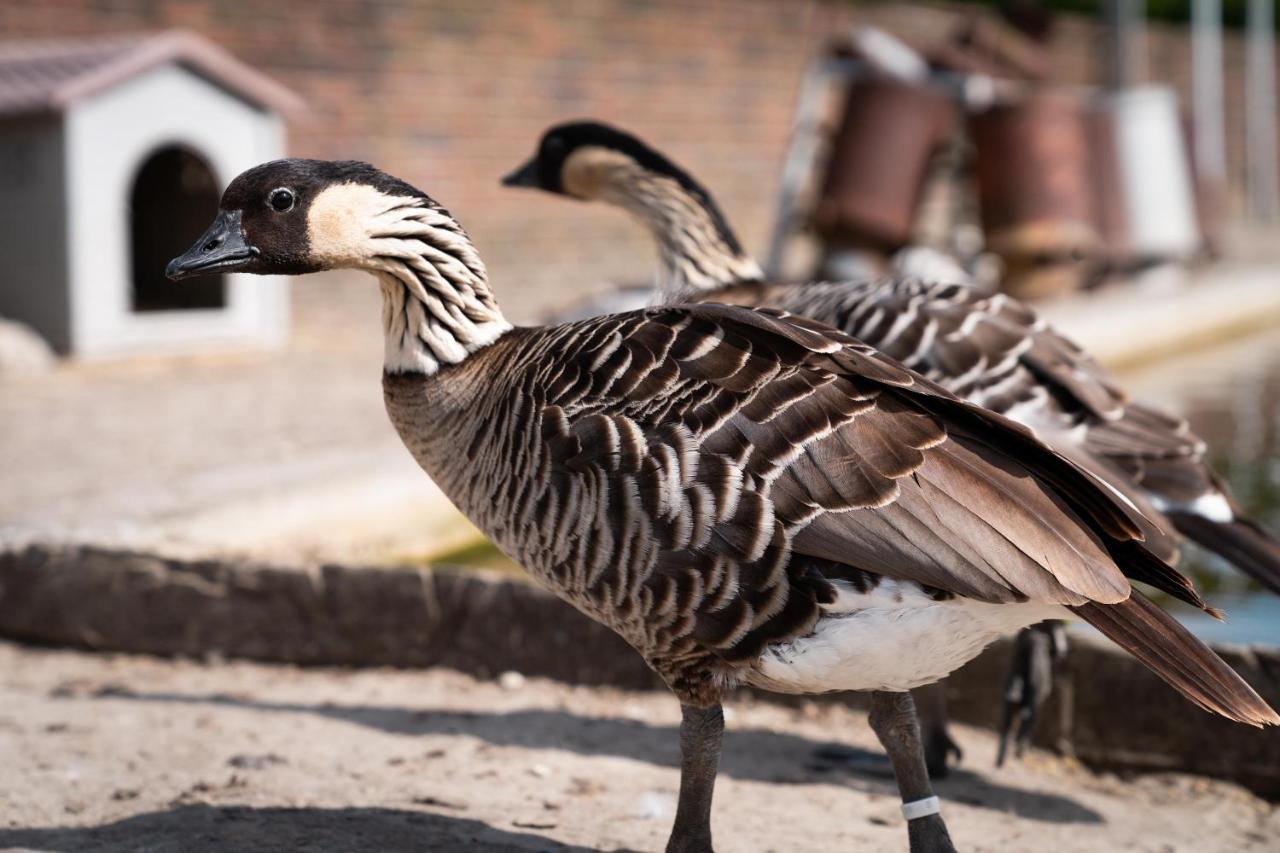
[
  {"x": 590, "y": 161},
  {"x": 289, "y": 217},
  {"x": 585, "y": 160},
  {"x": 295, "y": 216}
]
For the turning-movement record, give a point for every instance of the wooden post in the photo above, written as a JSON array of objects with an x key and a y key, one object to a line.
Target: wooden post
[
  {"x": 1126, "y": 43},
  {"x": 1207, "y": 91},
  {"x": 1260, "y": 113},
  {"x": 802, "y": 152}
]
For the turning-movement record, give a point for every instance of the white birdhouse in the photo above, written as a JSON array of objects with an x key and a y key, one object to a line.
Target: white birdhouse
[{"x": 113, "y": 154}]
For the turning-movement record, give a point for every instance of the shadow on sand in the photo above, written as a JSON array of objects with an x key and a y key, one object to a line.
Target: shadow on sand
[
  {"x": 755, "y": 754},
  {"x": 205, "y": 828}
]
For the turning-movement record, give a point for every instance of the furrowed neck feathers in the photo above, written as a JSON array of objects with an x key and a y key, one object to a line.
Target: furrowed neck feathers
[
  {"x": 698, "y": 250},
  {"x": 437, "y": 307}
]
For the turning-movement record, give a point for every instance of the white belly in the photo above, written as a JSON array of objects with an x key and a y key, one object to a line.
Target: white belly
[{"x": 893, "y": 638}]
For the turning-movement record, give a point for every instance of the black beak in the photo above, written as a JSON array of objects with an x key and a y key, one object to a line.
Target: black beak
[
  {"x": 525, "y": 176},
  {"x": 222, "y": 248}
]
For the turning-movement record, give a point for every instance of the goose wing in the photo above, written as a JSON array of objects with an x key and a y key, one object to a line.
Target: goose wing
[
  {"x": 990, "y": 349},
  {"x": 745, "y": 443},
  {"x": 995, "y": 351}
]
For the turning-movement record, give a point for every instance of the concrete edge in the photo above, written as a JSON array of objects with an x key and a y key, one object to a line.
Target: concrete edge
[
  {"x": 132, "y": 601},
  {"x": 1128, "y": 327},
  {"x": 1111, "y": 713}
]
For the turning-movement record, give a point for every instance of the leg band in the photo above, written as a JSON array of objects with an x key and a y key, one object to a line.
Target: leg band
[{"x": 921, "y": 808}]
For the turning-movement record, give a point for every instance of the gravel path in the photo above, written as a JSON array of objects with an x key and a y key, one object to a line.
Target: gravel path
[{"x": 116, "y": 753}]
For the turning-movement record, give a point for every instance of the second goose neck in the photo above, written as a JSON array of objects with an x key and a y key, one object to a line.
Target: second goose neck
[{"x": 698, "y": 250}]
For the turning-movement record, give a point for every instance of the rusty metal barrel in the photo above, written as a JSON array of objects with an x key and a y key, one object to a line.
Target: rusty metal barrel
[
  {"x": 1033, "y": 175},
  {"x": 1035, "y": 189},
  {"x": 879, "y": 159}
]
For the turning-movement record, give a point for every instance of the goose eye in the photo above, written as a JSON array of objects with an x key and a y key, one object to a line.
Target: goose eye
[{"x": 281, "y": 200}]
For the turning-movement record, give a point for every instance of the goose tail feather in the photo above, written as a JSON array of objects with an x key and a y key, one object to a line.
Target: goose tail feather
[
  {"x": 1185, "y": 663},
  {"x": 1239, "y": 541}
]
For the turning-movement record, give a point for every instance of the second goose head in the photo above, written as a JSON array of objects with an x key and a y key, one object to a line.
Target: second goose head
[
  {"x": 590, "y": 161},
  {"x": 297, "y": 216}
]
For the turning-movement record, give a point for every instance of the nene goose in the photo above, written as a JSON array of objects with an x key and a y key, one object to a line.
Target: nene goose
[
  {"x": 992, "y": 350},
  {"x": 745, "y": 497}
]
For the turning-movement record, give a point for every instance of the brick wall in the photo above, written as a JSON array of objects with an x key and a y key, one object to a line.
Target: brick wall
[{"x": 450, "y": 94}]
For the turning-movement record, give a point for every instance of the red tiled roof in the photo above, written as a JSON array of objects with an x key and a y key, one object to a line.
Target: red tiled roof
[{"x": 48, "y": 76}]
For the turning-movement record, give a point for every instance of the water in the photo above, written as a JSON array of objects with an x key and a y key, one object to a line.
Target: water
[{"x": 1231, "y": 397}]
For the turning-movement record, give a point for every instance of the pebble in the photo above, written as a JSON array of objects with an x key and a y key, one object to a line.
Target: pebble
[
  {"x": 256, "y": 762},
  {"x": 654, "y": 805},
  {"x": 439, "y": 803},
  {"x": 22, "y": 350},
  {"x": 511, "y": 680}
]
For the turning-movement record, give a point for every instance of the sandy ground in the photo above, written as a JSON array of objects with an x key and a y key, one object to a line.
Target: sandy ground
[{"x": 115, "y": 753}]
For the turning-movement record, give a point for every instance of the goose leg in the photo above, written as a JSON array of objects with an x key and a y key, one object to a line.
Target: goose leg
[
  {"x": 701, "y": 730},
  {"x": 893, "y": 718},
  {"x": 939, "y": 748},
  {"x": 1029, "y": 683}
]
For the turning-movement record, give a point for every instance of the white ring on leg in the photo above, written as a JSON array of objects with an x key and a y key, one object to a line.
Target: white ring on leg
[{"x": 921, "y": 808}]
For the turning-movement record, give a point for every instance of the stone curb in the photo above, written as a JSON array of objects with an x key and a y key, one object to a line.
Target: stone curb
[
  {"x": 475, "y": 622},
  {"x": 1110, "y": 712}
]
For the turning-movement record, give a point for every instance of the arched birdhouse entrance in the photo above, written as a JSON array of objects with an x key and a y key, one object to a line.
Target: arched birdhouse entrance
[{"x": 173, "y": 199}]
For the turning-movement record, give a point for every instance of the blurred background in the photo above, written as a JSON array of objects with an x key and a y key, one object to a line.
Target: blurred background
[{"x": 1114, "y": 162}]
